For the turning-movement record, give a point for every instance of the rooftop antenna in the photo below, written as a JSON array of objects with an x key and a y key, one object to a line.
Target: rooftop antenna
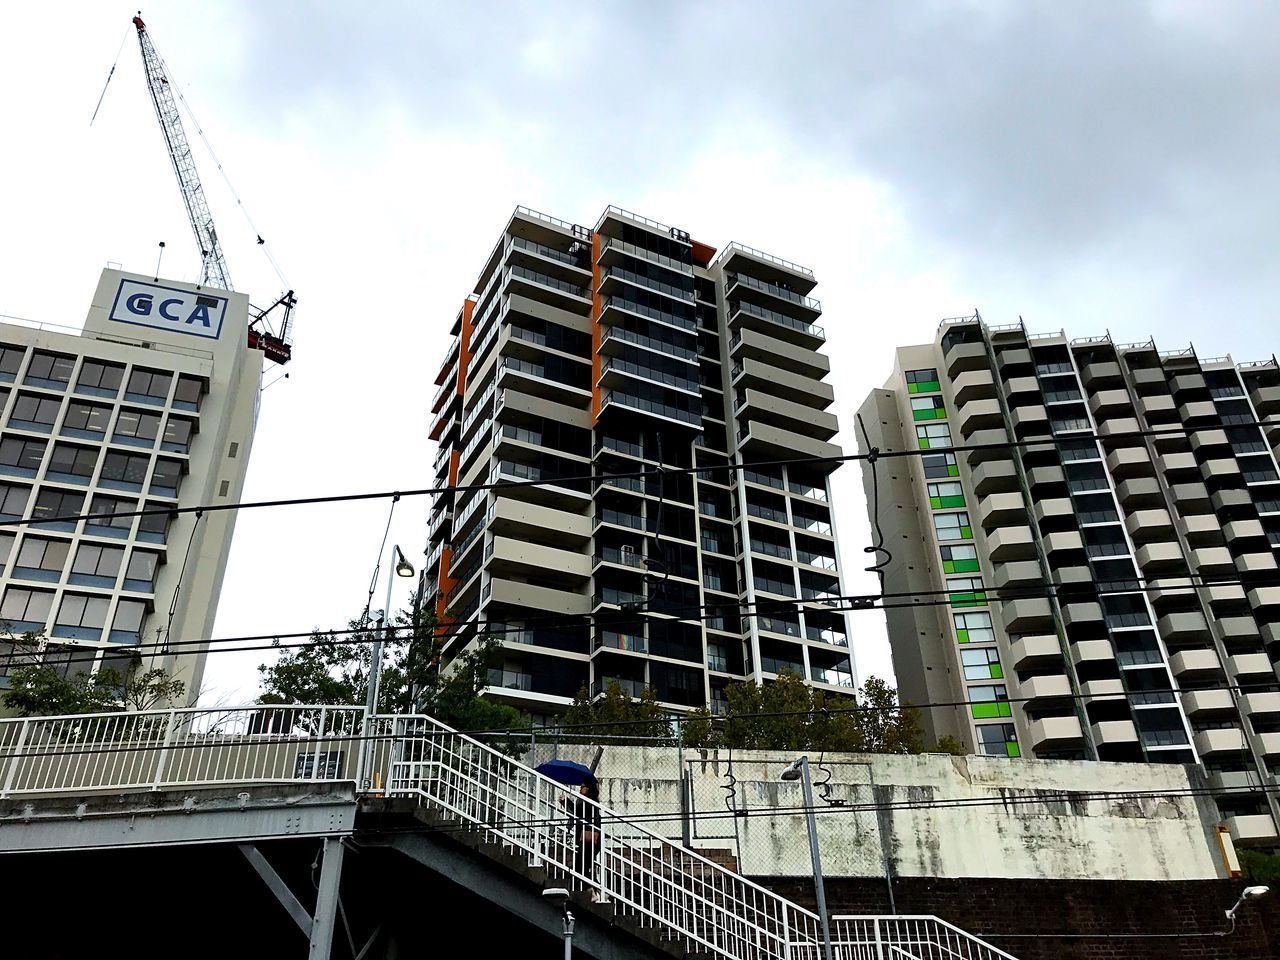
[{"x": 159, "y": 257}]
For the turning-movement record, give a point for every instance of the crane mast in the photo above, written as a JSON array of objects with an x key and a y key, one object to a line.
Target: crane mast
[{"x": 213, "y": 271}]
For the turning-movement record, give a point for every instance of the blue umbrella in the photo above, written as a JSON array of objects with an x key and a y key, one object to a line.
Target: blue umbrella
[{"x": 567, "y": 772}]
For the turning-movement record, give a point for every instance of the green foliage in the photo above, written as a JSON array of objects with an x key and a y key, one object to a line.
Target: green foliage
[
  {"x": 1259, "y": 867},
  {"x": 788, "y": 714},
  {"x": 949, "y": 744},
  {"x": 333, "y": 669},
  {"x": 37, "y": 690},
  {"x": 618, "y": 718}
]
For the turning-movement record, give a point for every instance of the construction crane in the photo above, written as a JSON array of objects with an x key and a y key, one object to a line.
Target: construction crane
[{"x": 213, "y": 271}]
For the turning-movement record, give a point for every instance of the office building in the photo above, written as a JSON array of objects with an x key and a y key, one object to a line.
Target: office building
[
  {"x": 1086, "y": 546},
  {"x": 151, "y": 406},
  {"x": 615, "y": 349}
]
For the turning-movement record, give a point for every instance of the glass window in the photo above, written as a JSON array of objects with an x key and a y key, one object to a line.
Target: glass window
[
  {"x": 933, "y": 436},
  {"x": 944, "y": 495},
  {"x": 101, "y": 378},
  {"x": 928, "y": 408},
  {"x": 188, "y": 393},
  {"x": 130, "y": 468},
  {"x": 127, "y": 626},
  {"x": 923, "y": 381},
  {"x": 167, "y": 477},
  {"x": 103, "y": 505},
  {"x": 141, "y": 572},
  {"x": 94, "y": 560},
  {"x": 981, "y": 663},
  {"x": 136, "y": 425},
  {"x": 49, "y": 556},
  {"x": 10, "y": 360},
  {"x": 13, "y": 500},
  {"x": 35, "y": 409},
  {"x": 90, "y": 417},
  {"x": 82, "y": 611},
  {"x": 965, "y": 591},
  {"x": 151, "y": 385},
  {"x": 939, "y": 465},
  {"x": 22, "y": 607},
  {"x": 73, "y": 461},
  {"x": 52, "y": 502},
  {"x": 50, "y": 368},
  {"x": 21, "y": 454},
  {"x": 959, "y": 558},
  {"x": 998, "y": 740},
  {"x": 974, "y": 627},
  {"x": 952, "y": 526},
  {"x": 989, "y": 701},
  {"x": 177, "y": 434}
]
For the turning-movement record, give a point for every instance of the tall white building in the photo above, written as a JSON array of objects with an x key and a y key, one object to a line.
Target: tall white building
[{"x": 152, "y": 406}]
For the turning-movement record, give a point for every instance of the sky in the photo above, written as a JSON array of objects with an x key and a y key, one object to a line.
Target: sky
[{"x": 1089, "y": 166}]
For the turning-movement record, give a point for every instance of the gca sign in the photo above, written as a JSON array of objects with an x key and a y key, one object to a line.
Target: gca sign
[{"x": 165, "y": 308}]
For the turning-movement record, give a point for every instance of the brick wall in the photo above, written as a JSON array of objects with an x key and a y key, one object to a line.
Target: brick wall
[{"x": 995, "y": 909}]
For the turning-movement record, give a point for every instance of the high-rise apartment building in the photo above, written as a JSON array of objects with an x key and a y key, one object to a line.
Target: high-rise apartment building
[
  {"x": 151, "y": 406},
  {"x": 1085, "y": 546},
  {"x": 616, "y": 349}
]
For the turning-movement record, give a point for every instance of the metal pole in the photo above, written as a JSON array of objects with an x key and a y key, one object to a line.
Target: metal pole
[
  {"x": 568, "y": 934},
  {"x": 816, "y": 856},
  {"x": 326, "y": 898}
]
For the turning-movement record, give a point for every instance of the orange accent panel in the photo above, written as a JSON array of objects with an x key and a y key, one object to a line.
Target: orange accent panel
[
  {"x": 455, "y": 457},
  {"x": 464, "y": 348},
  {"x": 596, "y": 332},
  {"x": 447, "y": 583},
  {"x": 703, "y": 253}
]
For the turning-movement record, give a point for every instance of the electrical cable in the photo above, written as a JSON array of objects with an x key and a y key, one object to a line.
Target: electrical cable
[
  {"x": 363, "y": 619},
  {"x": 584, "y": 479},
  {"x": 877, "y": 546},
  {"x": 177, "y": 589}
]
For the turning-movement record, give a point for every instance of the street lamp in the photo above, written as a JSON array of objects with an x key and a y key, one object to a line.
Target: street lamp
[
  {"x": 1249, "y": 893},
  {"x": 403, "y": 568},
  {"x": 561, "y": 896},
  {"x": 799, "y": 770}
]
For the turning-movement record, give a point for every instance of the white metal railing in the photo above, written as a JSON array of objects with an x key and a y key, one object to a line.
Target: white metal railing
[
  {"x": 906, "y": 938},
  {"x": 158, "y": 749},
  {"x": 647, "y": 878}
]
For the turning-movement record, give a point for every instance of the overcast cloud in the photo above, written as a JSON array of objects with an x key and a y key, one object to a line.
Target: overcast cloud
[{"x": 1094, "y": 166}]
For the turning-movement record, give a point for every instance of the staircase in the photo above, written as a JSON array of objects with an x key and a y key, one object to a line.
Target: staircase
[{"x": 646, "y": 881}]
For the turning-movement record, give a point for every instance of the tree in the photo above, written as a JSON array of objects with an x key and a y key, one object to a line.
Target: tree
[
  {"x": 334, "y": 669},
  {"x": 37, "y": 689},
  {"x": 616, "y": 717},
  {"x": 948, "y": 744},
  {"x": 788, "y": 714}
]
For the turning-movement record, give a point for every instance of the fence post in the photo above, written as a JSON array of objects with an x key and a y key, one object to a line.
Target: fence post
[
  {"x": 15, "y": 758},
  {"x": 163, "y": 761},
  {"x": 879, "y": 941},
  {"x": 315, "y": 762},
  {"x": 786, "y": 934}
]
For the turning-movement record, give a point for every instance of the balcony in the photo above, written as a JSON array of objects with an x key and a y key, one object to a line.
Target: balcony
[
  {"x": 1055, "y": 733},
  {"x": 559, "y": 602},
  {"x": 1082, "y": 613},
  {"x": 1105, "y": 403},
  {"x": 1140, "y": 492},
  {"x": 967, "y": 356},
  {"x": 1260, "y": 597},
  {"x": 1178, "y": 628},
  {"x": 1158, "y": 409},
  {"x": 1235, "y": 630},
  {"x": 995, "y": 476},
  {"x": 1026, "y": 615},
  {"x": 1054, "y": 510},
  {"x": 1252, "y": 830},
  {"x": 1213, "y": 560},
  {"x": 979, "y": 414},
  {"x": 1144, "y": 526},
  {"x": 1087, "y": 652},
  {"x": 1012, "y": 359},
  {"x": 1210, "y": 442},
  {"x": 1001, "y": 509},
  {"x": 1210, "y": 743},
  {"x": 1119, "y": 429},
  {"x": 994, "y": 444},
  {"x": 1038, "y": 478},
  {"x": 1266, "y": 400},
  {"x": 775, "y": 443},
  {"x": 806, "y": 390},
  {"x": 1161, "y": 557},
  {"x": 1204, "y": 703},
  {"x": 752, "y": 344},
  {"x": 1269, "y": 745},
  {"x": 1062, "y": 544},
  {"x": 973, "y": 385},
  {"x": 1115, "y": 733},
  {"x": 1011, "y": 543},
  {"x": 775, "y": 324},
  {"x": 1200, "y": 663},
  {"x": 1198, "y": 413},
  {"x": 1264, "y": 704},
  {"x": 1127, "y": 462},
  {"x": 1029, "y": 421},
  {"x": 1044, "y": 692},
  {"x": 1017, "y": 573},
  {"x": 1258, "y": 561},
  {"x": 1242, "y": 531},
  {"x": 1022, "y": 389},
  {"x": 785, "y": 414},
  {"x": 1038, "y": 650}
]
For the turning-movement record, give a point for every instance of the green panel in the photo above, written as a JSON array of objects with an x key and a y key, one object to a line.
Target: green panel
[
  {"x": 964, "y": 566},
  {"x": 965, "y": 599},
  {"x": 962, "y": 636},
  {"x": 924, "y": 442},
  {"x": 997, "y": 673},
  {"x": 957, "y": 501},
  {"x": 929, "y": 386},
  {"x": 936, "y": 502},
  {"x": 913, "y": 388},
  {"x": 984, "y": 711},
  {"x": 1012, "y": 748},
  {"x": 953, "y": 470},
  {"x": 966, "y": 533},
  {"x": 923, "y": 415}
]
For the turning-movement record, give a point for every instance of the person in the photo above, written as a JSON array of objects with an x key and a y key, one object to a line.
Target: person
[{"x": 584, "y": 814}]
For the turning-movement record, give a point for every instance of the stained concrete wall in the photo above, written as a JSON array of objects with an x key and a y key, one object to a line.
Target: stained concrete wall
[{"x": 926, "y": 816}]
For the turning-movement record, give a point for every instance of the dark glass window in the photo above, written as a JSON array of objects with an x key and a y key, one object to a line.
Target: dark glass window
[
  {"x": 101, "y": 376},
  {"x": 50, "y": 367}
]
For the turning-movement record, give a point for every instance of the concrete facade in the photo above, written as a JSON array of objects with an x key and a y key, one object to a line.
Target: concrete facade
[
  {"x": 1108, "y": 593},
  {"x": 620, "y": 348},
  {"x": 928, "y": 816},
  {"x": 151, "y": 406}
]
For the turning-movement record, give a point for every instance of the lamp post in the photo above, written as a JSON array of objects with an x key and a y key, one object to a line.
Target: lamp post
[
  {"x": 560, "y": 895},
  {"x": 1249, "y": 893},
  {"x": 799, "y": 770},
  {"x": 402, "y": 568}
]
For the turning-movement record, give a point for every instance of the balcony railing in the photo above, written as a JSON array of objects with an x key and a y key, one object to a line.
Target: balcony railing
[
  {"x": 762, "y": 313},
  {"x": 661, "y": 316},
  {"x": 649, "y": 406},
  {"x": 776, "y": 290},
  {"x": 510, "y": 680}
]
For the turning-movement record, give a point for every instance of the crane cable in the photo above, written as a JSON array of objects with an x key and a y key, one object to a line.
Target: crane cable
[{"x": 110, "y": 74}]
